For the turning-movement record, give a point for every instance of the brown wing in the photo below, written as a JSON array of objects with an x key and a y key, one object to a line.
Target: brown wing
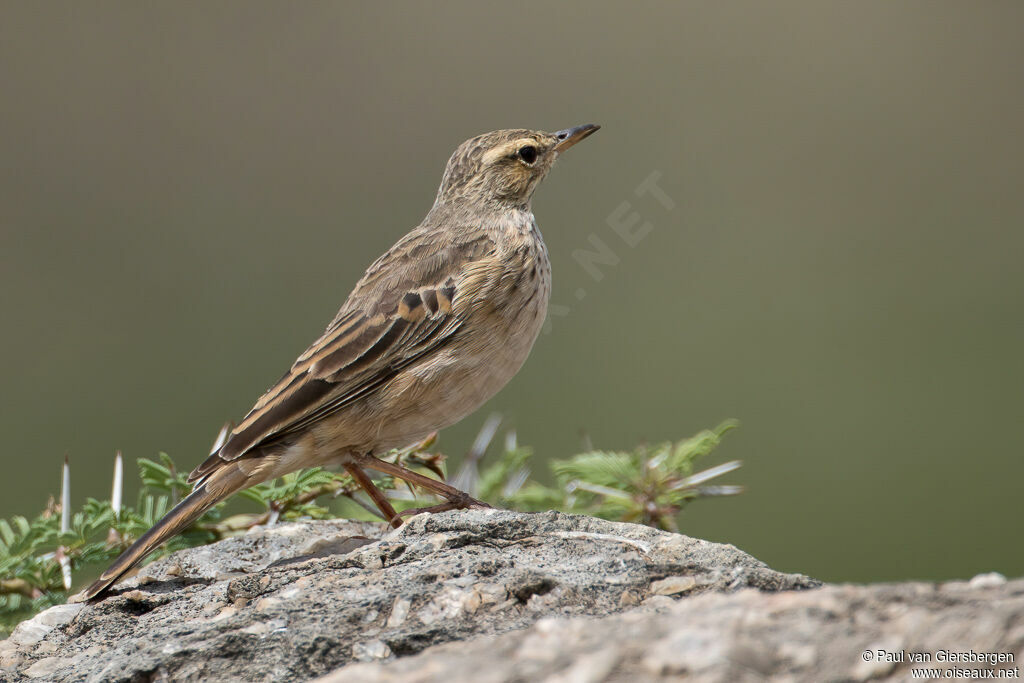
[{"x": 400, "y": 312}]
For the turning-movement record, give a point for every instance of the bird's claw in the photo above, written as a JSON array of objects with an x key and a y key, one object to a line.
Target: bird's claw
[{"x": 460, "y": 503}]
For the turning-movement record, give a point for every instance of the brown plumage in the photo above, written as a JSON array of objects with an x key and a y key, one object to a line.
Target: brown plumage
[{"x": 435, "y": 327}]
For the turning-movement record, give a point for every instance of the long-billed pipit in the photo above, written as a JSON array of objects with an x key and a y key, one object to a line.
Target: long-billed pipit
[{"x": 435, "y": 327}]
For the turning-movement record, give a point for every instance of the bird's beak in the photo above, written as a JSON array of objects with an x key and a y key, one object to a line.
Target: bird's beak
[{"x": 570, "y": 136}]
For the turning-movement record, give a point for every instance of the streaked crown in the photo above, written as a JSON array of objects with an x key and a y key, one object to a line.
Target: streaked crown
[{"x": 504, "y": 167}]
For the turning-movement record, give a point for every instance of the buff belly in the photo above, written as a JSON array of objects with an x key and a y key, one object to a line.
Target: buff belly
[{"x": 453, "y": 384}]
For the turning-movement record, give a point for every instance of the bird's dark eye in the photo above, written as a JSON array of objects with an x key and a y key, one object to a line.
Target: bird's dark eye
[{"x": 528, "y": 154}]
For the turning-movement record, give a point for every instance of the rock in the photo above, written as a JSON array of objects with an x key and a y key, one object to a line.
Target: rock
[
  {"x": 488, "y": 595},
  {"x": 259, "y": 549},
  {"x": 848, "y": 633},
  {"x": 47, "y": 666},
  {"x": 673, "y": 585},
  {"x": 296, "y": 601},
  {"x": 990, "y": 580}
]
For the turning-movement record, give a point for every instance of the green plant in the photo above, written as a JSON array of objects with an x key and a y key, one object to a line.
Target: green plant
[{"x": 649, "y": 485}]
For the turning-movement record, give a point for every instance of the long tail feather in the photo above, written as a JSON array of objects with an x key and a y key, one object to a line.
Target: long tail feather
[{"x": 202, "y": 498}]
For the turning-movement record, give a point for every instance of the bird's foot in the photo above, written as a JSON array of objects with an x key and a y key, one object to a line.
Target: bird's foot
[{"x": 459, "y": 503}]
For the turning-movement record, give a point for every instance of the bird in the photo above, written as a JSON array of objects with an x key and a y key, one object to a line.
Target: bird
[{"x": 433, "y": 329}]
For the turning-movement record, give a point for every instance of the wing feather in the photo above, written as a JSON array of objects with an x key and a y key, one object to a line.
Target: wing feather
[{"x": 373, "y": 337}]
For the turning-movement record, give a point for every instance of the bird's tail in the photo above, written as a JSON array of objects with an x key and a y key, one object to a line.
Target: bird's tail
[{"x": 207, "y": 494}]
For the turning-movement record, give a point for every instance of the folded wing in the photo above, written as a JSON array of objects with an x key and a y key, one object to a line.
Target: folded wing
[{"x": 401, "y": 312}]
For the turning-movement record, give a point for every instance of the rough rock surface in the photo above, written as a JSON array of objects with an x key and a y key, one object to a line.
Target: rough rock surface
[
  {"x": 488, "y": 595},
  {"x": 836, "y": 633},
  {"x": 296, "y": 601}
]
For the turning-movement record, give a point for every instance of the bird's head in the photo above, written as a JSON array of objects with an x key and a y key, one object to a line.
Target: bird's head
[{"x": 504, "y": 167}]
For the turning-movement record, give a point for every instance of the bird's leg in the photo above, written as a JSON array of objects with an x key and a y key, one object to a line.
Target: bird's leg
[
  {"x": 456, "y": 498},
  {"x": 375, "y": 493}
]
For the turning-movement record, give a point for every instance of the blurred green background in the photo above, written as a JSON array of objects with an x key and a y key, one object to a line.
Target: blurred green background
[{"x": 188, "y": 192}]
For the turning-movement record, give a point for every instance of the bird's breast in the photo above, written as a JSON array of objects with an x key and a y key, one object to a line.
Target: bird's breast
[
  {"x": 521, "y": 291},
  {"x": 499, "y": 305},
  {"x": 502, "y": 305}
]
